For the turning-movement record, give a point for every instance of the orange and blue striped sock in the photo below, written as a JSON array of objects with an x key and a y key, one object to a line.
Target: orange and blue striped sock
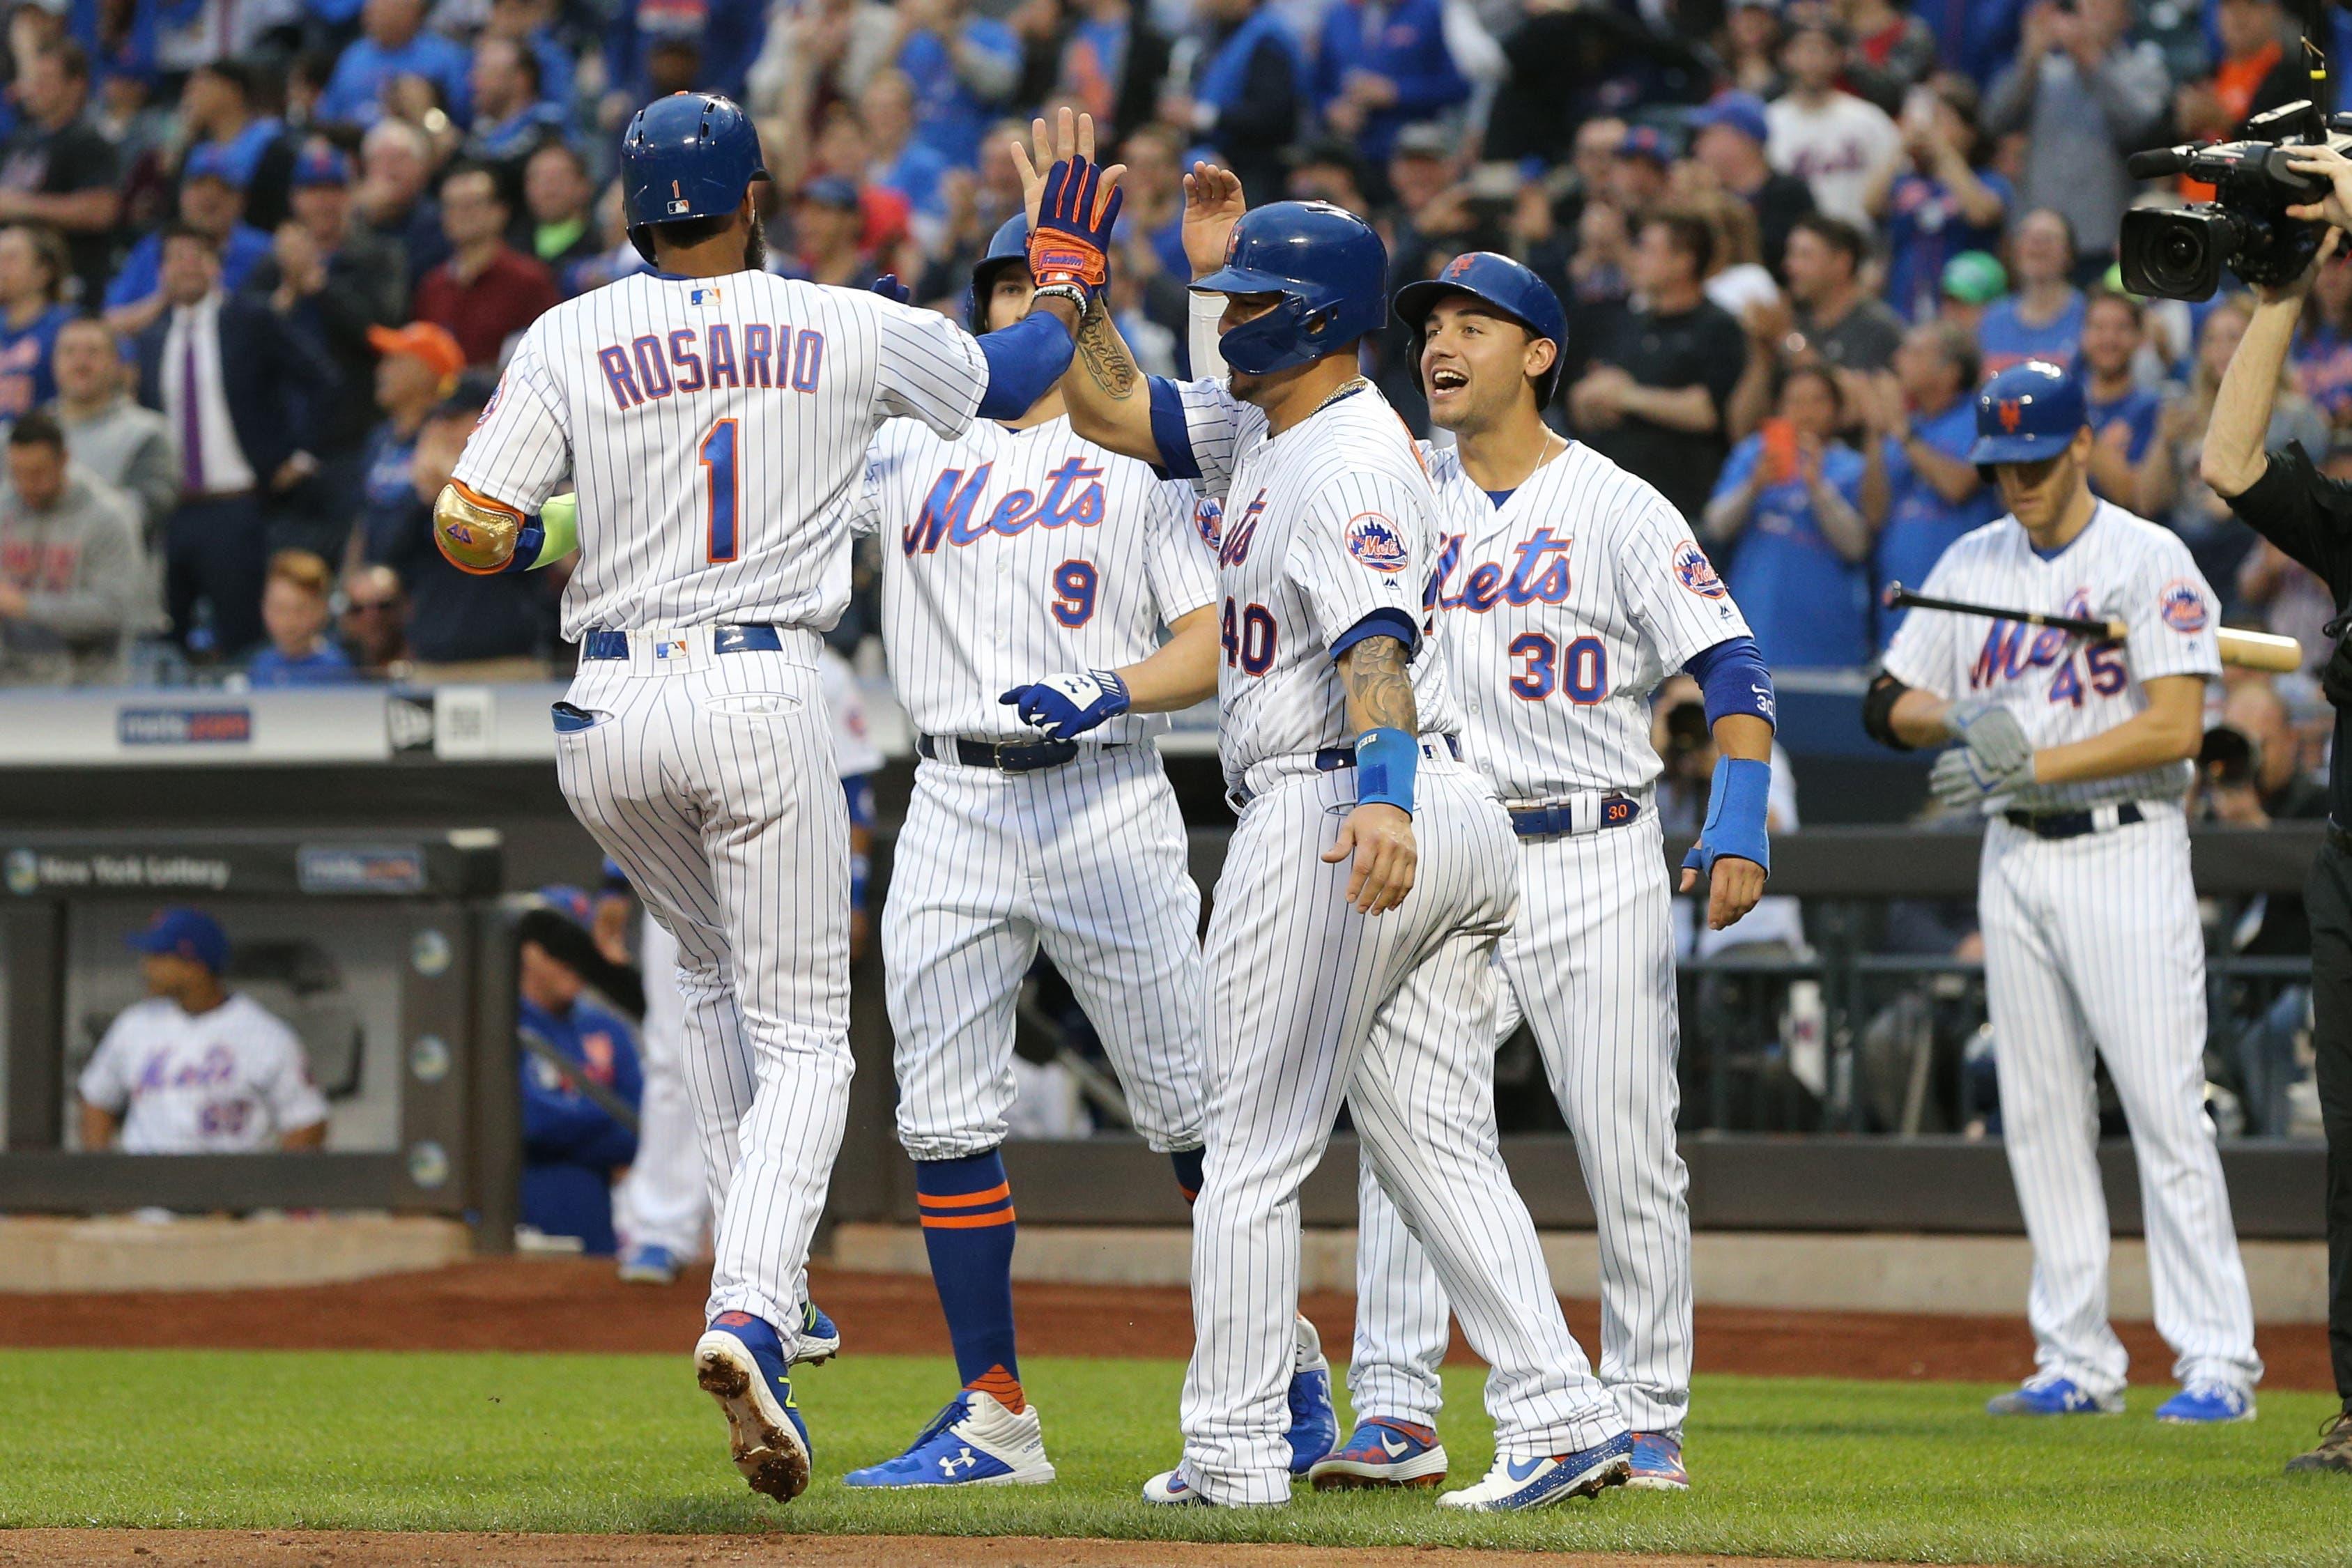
[
  {"x": 968, "y": 1230},
  {"x": 1188, "y": 1163}
]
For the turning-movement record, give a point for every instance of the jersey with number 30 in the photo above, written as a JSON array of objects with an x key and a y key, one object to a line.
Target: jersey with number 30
[
  {"x": 2064, "y": 688},
  {"x": 1323, "y": 525},
  {"x": 1561, "y": 609},
  {"x": 715, "y": 430}
]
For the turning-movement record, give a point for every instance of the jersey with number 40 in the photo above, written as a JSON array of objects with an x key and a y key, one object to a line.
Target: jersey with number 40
[
  {"x": 1009, "y": 555},
  {"x": 715, "y": 430},
  {"x": 1561, "y": 609}
]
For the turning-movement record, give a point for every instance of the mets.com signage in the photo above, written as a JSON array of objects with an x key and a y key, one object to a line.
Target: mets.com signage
[{"x": 184, "y": 726}]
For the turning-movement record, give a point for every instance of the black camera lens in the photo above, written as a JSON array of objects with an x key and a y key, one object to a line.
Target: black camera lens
[{"x": 2177, "y": 254}]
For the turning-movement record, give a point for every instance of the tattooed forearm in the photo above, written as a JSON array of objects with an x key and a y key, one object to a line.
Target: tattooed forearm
[
  {"x": 1380, "y": 686},
  {"x": 1107, "y": 363}
]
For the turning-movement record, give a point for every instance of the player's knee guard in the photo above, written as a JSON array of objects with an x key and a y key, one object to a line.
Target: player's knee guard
[{"x": 1878, "y": 710}]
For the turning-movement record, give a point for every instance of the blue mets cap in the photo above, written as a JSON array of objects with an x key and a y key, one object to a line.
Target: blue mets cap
[
  {"x": 183, "y": 932},
  {"x": 2027, "y": 413}
]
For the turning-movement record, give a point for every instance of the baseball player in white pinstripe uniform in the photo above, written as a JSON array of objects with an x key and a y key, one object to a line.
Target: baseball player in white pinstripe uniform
[
  {"x": 2079, "y": 756},
  {"x": 1350, "y": 948},
  {"x": 714, "y": 420},
  {"x": 1014, "y": 550},
  {"x": 1565, "y": 590}
]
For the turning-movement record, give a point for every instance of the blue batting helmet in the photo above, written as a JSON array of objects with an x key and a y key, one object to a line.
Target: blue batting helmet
[
  {"x": 1330, "y": 268},
  {"x": 1009, "y": 244},
  {"x": 1503, "y": 283},
  {"x": 2027, "y": 413},
  {"x": 688, "y": 155}
]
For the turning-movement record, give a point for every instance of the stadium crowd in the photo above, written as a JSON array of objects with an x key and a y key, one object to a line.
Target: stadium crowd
[{"x": 259, "y": 262}]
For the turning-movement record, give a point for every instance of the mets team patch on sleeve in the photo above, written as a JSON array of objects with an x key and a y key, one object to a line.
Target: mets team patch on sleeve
[
  {"x": 1209, "y": 516},
  {"x": 1373, "y": 539},
  {"x": 1694, "y": 572},
  {"x": 2182, "y": 604}
]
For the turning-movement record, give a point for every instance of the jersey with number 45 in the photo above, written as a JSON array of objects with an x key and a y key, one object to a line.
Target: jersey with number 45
[
  {"x": 715, "y": 429},
  {"x": 1561, "y": 609},
  {"x": 2062, "y": 686},
  {"x": 1322, "y": 526},
  {"x": 1009, "y": 555}
]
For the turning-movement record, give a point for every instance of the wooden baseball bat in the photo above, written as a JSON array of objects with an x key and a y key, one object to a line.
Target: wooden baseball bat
[{"x": 2247, "y": 650}]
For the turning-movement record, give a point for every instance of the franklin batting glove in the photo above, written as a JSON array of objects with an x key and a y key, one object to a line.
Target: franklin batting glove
[
  {"x": 1070, "y": 244},
  {"x": 1068, "y": 705},
  {"x": 1992, "y": 733}
]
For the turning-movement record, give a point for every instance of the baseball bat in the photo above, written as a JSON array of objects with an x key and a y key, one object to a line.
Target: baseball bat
[{"x": 2248, "y": 650}]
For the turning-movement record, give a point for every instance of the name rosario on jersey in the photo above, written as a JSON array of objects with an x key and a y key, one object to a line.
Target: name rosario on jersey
[
  {"x": 703, "y": 359},
  {"x": 2013, "y": 650},
  {"x": 1540, "y": 576},
  {"x": 1073, "y": 497}
]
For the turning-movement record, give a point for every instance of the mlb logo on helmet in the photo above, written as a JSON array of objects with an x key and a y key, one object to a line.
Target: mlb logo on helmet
[
  {"x": 1694, "y": 572},
  {"x": 1374, "y": 540},
  {"x": 2182, "y": 605}
]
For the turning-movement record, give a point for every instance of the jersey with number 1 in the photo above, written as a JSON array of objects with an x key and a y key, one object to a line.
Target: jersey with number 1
[
  {"x": 1561, "y": 608},
  {"x": 1010, "y": 554},
  {"x": 716, "y": 432},
  {"x": 1323, "y": 525},
  {"x": 2062, "y": 686}
]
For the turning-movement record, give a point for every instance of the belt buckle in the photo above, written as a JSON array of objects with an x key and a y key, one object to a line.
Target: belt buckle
[{"x": 997, "y": 753}]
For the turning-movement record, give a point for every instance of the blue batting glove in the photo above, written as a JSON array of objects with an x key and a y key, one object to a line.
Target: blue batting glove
[
  {"x": 890, "y": 288},
  {"x": 1068, "y": 705},
  {"x": 1735, "y": 803},
  {"x": 1070, "y": 242}
]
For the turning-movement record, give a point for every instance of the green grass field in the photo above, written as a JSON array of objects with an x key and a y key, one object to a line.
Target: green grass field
[{"x": 1794, "y": 1467}]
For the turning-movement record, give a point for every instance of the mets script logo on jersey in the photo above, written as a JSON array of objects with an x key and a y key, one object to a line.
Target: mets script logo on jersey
[
  {"x": 1073, "y": 497},
  {"x": 1694, "y": 572},
  {"x": 1540, "y": 575},
  {"x": 2012, "y": 650},
  {"x": 2181, "y": 606},
  {"x": 1373, "y": 539},
  {"x": 1208, "y": 519},
  {"x": 1233, "y": 548}
]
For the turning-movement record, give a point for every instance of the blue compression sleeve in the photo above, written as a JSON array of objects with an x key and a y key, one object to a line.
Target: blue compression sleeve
[
  {"x": 1169, "y": 430},
  {"x": 1024, "y": 361},
  {"x": 1386, "y": 761},
  {"x": 1736, "y": 802},
  {"x": 1733, "y": 676}
]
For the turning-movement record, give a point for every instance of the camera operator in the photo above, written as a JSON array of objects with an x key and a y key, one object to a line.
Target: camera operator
[{"x": 2283, "y": 497}]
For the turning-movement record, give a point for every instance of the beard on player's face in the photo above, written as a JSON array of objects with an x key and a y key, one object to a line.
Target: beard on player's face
[{"x": 755, "y": 244}]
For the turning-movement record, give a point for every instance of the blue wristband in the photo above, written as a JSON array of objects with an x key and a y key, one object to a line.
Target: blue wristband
[
  {"x": 1738, "y": 799},
  {"x": 1386, "y": 760}
]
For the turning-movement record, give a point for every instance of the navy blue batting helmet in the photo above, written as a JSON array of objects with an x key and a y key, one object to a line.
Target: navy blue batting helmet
[
  {"x": 2027, "y": 413},
  {"x": 688, "y": 155},
  {"x": 1503, "y": 283},
  {"x": 1330, "y": 268},
  {"x": 1008, "y": 245}
]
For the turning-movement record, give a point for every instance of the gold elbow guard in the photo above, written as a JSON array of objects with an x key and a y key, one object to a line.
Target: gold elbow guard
[{"x": 475, "y": 533}]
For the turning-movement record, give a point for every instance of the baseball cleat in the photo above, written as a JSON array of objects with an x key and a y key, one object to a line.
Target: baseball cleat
[
  {"x": 1314, "y": 1423},
  {"x": 1658, "y": 1463},
  {"x": 974, "y": 1442},
  {"x": 2053, "y": 1395},
  {"x": 2207, "y": 1404},
  {"x": 820, "y": 1337},
  {"x": 1381, "y": 1454},
  {"x": 648, "y": 1265},
  {"x": 1516, "y": 1484},
  {"x": 1170, "y": 1488},
  {"x": 740, "y": 1362},
  {"x": 2333, "y": 1454}
]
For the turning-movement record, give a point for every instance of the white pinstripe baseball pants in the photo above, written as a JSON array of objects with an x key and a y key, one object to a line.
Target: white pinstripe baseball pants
[
  {"x": 2091, "y": 943},
  {"x": 667, "y": 1194},
  {"x": 1591, "y": 961},
  {"x": 1308, "y": 1003},
  {"x": 710, "y": 778},
  {"x": 1086, "y": 860}
]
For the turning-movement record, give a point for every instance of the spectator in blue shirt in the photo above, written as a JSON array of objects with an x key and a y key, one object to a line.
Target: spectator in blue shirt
[
  {"x": 393, "y": 44},
  {"x": 2043, "y": 319},
  {"x": 1978, "y": 36},
  {"x": 577, "y": 1062},
  {"x": 896, "y": 158},
  {"x": 2323, "y": 342},
  {"x": 1382, "y": 64},
  {"x": 722, "y": 38},
  {"x": 294, "y": 611},
  {"x": 512, "y": 115},
  {"x": 532, "y": 23},
  {"x": 34, "y": 267},
  {"x": 416, "y": 366},
  {"x": 218, "y": 110},
  {"x": 1916, "y": 476},
  {"x": 211, "y": 203},
  {"x": 1790, "y": 498},
  {"x": 1939, "y": 200},
  {"x": 2122, "y": 414},
  {"x": 1247, "y": 92},
  {"x": 964, "y": 66}
]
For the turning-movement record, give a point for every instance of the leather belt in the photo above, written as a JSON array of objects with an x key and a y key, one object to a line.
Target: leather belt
[
  {"x": 2073, "y": 824},
  {"x": 1021, "y": 757},
  {"x": 723, "y": 639},
  {"x": 1553, "y": 821}
]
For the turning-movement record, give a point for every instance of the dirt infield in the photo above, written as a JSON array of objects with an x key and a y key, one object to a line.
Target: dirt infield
[
  {"x": 539, "y": 1304},
  {"x": 358, "y": 1549}
]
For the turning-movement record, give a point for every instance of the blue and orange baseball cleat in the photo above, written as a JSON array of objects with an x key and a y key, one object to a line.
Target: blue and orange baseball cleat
[
  {"x": 1314, "y": 1423},
  {"x": 2207, "y": 1404},
  {"x": 975, "y": 1441},
  {"x": 1381, "y": 1453},
  {"x": 819, "y": 1339},
  {"x": 740, "y": 1361},
  {"x": 1658, "y": 1463}
]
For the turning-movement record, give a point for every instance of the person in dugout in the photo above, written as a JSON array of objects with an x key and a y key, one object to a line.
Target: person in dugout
[{"x": 581, "y": 1080}]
